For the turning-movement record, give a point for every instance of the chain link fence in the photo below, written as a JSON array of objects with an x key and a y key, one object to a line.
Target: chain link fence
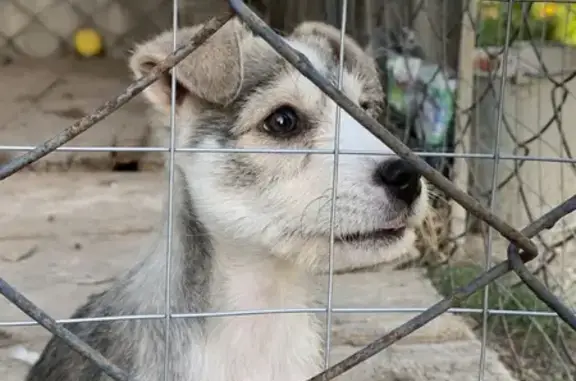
[
  {"x": 507, "y": 140},
  {"x": 46, "y": 28}
]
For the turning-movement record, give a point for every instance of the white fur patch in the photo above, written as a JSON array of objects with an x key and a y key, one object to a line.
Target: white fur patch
[
  {"x": 312, "y": 55},
  {"x": 260, "y": 347},
  {"x": 355, "y": 137}
]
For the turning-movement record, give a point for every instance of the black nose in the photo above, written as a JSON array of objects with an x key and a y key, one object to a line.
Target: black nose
[{"x": 400, "y": 178}]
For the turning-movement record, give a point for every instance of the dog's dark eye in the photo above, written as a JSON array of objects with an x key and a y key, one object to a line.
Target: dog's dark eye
[
  {"x": 365, "y": 105},
  {"x": 282, "y": 122}
]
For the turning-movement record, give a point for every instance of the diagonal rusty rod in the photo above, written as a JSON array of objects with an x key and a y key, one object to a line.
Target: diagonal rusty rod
[
  {"x": 62, "y": 333},
  {"x": 109, "y": 107},
  {"x": 546, "y": 221},
  {"x": 25, "y": 305},
  {"x": 519, "y": 239},
  {"x": 517, "y": 260},
  {"x": 303, "y": 65}
]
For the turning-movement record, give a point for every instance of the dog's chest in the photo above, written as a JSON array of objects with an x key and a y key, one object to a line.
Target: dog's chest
[{"x": 262, "y": 347}]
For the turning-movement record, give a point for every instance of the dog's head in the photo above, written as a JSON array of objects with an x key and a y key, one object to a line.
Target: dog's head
[{"x": 236, "y": 92}]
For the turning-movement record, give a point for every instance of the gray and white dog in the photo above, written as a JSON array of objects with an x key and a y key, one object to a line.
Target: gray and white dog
[{"x": 251, "y": 229}]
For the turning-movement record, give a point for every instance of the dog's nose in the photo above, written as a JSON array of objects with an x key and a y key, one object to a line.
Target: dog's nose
[{"x": 400, "y": 178}]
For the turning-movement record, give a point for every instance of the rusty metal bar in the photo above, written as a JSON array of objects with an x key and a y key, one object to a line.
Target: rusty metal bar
[
  {"x": 518, "y": 239},
  {"x": 516, "y": 260},
  {"x": 62, "y": 333},
  {"x": 68, "y": 134},
  {"x": 304, "y": 66},
  {"x": 109, "y": 107},
  {"x": 545, "y": 222},
  {"x": 521, "y": 248}
]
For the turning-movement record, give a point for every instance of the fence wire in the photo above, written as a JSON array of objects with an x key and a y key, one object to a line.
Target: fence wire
[{"x": 484, "y": 177}]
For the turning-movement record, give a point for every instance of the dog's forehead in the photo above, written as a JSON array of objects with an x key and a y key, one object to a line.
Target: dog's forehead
[
  {"x": 265, "y": 66},
  {"x": 324, "y": 62},
  {"x": 317, "y": 56}
]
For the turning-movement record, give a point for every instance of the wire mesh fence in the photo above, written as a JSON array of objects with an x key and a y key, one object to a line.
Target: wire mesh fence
[
  {"x": 47, "y": 27},
  {"x": 506, "y": 141}
]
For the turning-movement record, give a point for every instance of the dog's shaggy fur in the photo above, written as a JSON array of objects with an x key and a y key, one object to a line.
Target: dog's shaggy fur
[{"x": 250, "y": 228}]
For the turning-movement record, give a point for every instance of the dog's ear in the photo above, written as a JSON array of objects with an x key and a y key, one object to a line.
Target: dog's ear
[
  {"x": 356, "y": 59},
  {"x": 354, "y": 55},
  {"x": 213, "y": 72}
]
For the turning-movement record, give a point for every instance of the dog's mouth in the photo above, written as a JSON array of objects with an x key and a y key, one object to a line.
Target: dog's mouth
[
  {"x": 374, "y": 235},
  {"x": 393, "y": 230}
]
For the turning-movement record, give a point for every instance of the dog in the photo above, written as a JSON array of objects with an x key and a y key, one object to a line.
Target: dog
[{"x": 251, "y": 229}]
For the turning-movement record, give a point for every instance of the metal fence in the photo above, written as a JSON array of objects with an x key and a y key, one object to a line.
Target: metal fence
[{"x": 483, "y": 131}]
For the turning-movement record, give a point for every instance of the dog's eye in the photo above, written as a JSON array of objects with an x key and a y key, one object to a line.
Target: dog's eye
[{"x": 282, "y": 122}]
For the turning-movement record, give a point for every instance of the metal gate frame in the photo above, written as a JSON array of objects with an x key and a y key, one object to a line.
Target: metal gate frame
[{"x": 520, "y": 250}]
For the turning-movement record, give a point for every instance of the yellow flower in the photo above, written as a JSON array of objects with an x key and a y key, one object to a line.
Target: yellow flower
[
  {"x": 545, "y": 10},
  {"x": 549, "y": 10}
]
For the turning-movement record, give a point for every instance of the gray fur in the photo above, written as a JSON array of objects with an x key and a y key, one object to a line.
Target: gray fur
[{"x": 121, "y": 341}]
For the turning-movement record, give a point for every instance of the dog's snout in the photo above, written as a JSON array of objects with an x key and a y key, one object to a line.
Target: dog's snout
[{"x": 400, "y": 178}]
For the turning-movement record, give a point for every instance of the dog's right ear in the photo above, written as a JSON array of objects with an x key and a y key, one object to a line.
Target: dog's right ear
[{"x": 213, "y": 72}]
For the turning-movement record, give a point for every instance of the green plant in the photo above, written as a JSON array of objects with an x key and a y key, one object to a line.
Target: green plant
[{"x": 448, "y": 278}]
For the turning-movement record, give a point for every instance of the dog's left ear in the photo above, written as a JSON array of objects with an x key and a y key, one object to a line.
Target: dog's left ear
[
  {"x": 213, "y": 72},
  {"x": 354, "y": 55}
]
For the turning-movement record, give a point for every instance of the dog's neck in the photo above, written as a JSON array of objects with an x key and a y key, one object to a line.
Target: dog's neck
[
  {"x": 260, "y": 346},
  {"x": 214, "y": 273},
  {"x": 254, "y": 345},
  {"x": 248, "y": 278}
]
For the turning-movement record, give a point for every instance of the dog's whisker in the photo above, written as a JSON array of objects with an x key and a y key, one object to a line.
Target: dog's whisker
[{"x": 325, "y": 195}]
